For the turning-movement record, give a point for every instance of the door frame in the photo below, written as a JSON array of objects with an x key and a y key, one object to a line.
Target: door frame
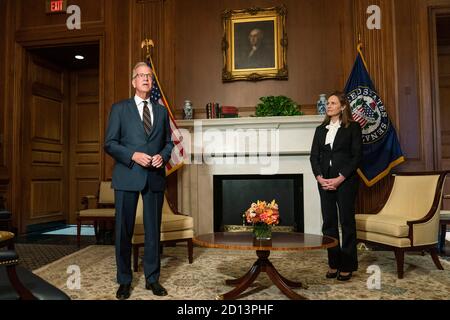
[{"x": 20, "y": 75}]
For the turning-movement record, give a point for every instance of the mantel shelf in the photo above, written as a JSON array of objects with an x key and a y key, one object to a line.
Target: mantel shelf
[{"x": 249, "y": 121}]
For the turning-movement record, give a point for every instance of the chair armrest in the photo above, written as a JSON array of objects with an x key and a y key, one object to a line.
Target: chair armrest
[
  {"x": 8, "y": 258},
  {"x": 174, "y": 210},
  {"x": 89, "y": 202}
]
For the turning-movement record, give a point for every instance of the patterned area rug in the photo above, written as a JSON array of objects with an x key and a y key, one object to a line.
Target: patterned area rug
[
  {"x": 204, "y": 279},
  {"x": 33, "y": 256}
]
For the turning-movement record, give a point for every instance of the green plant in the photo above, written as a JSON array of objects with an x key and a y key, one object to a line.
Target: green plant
[{"x": 272, "y": 106}]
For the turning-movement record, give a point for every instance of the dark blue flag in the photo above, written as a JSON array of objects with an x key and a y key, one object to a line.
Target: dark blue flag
[{"x": 381, "y": 149}]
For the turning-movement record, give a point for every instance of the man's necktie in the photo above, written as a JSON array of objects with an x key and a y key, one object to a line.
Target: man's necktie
[{"x": 147, "y": 119}]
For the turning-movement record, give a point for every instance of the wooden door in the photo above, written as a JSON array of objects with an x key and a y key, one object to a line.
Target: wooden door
[
  {"x": 44, "y": 160},
  {"x": 85, "y": 137}
]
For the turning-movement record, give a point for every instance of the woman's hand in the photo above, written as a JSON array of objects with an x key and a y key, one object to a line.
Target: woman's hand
[{"x": 330, "y": 184}]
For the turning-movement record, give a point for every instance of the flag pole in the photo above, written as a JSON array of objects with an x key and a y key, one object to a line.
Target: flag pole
[
  {"x": 359, "y": 49},
  {"x": 149, "y": 44}
]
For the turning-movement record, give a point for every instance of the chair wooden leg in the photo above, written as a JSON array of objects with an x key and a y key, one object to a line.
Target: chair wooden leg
[
  {"x": 442, "y": 237},
  {"x": 400, "y": 257},
  {"x": 190, "y": 250},
  {"x": 434, "y": 256},
  {"x": 78, "y": 232},
  {"x": 23, "y": 292},
  {"x": 97, "y": 232},
  {"x": 135, "y": 258}
]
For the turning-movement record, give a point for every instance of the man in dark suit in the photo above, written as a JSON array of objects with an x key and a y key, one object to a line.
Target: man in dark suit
[{"x": 139, "y": 139}]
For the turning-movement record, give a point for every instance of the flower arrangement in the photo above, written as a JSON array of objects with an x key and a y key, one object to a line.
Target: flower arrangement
[
  {"x": 262, "y": 216},
  {"x": 262, "y": 212}
]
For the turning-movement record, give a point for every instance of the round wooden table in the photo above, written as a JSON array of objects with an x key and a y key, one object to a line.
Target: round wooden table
[{"x": 280, "y": 242}]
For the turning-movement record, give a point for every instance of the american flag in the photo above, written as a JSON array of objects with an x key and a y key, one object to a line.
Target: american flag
[
  {"x": 360, "y": 112},
  {"x": 157, "y": 96}
]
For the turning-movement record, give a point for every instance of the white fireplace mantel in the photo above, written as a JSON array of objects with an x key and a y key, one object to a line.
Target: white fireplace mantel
[{"x": 245, "y": 146}]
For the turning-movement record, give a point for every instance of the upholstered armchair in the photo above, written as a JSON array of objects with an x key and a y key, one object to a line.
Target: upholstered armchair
[
  {"x": 175, "y": 227},
  {"x": 409, "y": 219},
  {"x": 16, "y": 282},
  {"x": 97, "y": 209}
]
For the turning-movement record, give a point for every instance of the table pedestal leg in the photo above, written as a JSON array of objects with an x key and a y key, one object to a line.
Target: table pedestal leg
[{"x": 263, "y": 265}]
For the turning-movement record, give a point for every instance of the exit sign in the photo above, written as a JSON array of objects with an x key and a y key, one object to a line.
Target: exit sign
[{"x": 56, "y": 6}]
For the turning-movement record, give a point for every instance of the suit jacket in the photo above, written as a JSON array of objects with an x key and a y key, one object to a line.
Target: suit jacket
[
  {"x": 345, "y": 155},
  {"x": 126, "y": 135}
]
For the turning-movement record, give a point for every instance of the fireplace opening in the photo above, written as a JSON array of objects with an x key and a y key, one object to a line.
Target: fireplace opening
[{"x": 233, "y": 195}]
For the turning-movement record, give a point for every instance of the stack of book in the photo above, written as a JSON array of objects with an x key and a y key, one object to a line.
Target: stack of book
[
  {"x": 213, "y": 110},
  {"x": 229, "y": 112}
]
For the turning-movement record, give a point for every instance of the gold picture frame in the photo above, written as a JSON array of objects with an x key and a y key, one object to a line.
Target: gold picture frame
[{"x": 254, "y": 44}]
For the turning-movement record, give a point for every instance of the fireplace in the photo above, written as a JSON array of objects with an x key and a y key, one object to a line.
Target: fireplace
[
  {"x": 233, "y": 195},
  {"x": 196, "y": 180}
]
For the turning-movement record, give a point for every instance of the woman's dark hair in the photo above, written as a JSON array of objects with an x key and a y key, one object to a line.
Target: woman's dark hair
[{"x": 346, "y": 115}]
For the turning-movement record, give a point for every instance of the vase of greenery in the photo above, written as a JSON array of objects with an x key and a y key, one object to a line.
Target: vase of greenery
[{"x": 274, "y": 106}]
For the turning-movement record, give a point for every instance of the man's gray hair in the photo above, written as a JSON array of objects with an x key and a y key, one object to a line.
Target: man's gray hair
[
  {"x": 258, "y": 32},
  {"x": 139, "y": 64}
]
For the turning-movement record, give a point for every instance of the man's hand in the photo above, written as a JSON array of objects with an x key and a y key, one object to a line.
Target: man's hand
[
  {"x": 142, "y": 159},
  {"x": 157, "y": 161}
]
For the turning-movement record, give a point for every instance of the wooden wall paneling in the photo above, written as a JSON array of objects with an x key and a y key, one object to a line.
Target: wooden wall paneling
[
  {"x": 444, "y": 98},
  {"x": 379, "y": 50},
  {"x": 32, "y": 15},
  {"x": 107, "y": 80},
  {"x": 45, "y": 143},
  {"x": 410, "y": 128},
  {"x": 115, "y": 80},
  {"x": 33, "y": 22},
  {"x": 319, "y": 55},
  {"x": 167, "y": 77},
  {"x": 6, "y": 103},
  {"x": 426, "y": 61},
  {"x": 156, "y": 21},
  {"x": 4, "y": 174},
  {"x": 444, "y": 108},
  {"x": 433, "y": 114},
  {"x": 3, "y": 67},
  {"x": 85, "y": 144},
  {"x": 167, "y": 68}
]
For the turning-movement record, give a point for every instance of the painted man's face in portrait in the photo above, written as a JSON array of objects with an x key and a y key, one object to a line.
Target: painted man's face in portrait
[{"x": 255, "y": 37}]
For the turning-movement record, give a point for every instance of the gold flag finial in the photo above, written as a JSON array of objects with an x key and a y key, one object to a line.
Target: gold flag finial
[{"x": 147, "y": 43}]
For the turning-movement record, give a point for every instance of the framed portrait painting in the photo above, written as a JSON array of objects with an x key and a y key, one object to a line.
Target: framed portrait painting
[{"x": 254, "y": 44}]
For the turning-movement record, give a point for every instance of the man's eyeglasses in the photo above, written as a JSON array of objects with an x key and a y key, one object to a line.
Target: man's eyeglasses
[{"x": 143, "y": 75}]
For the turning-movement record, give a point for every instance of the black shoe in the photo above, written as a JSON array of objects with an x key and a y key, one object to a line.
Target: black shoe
[
  {"x": 157, "y": 289},
  {"x": 347, "y": 277},
  {"x": 331, "y": 275},
  {"x": 123, "y": 292}
]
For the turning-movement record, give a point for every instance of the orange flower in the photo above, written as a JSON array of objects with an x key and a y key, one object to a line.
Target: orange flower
[{"x": 264, "y": 212}]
